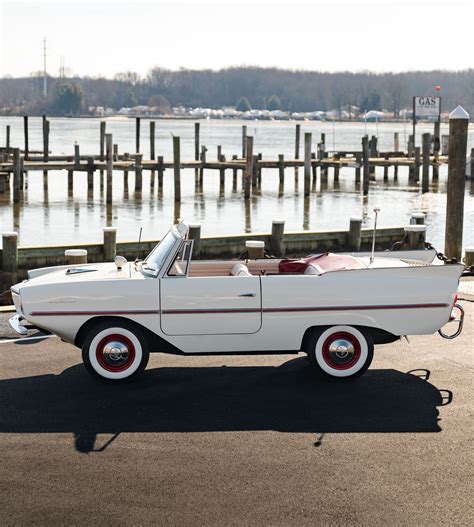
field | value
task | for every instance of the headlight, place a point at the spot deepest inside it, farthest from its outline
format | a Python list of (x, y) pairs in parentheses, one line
[(17, 301)]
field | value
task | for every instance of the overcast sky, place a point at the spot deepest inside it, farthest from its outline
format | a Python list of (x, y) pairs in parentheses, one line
[(103, 37)]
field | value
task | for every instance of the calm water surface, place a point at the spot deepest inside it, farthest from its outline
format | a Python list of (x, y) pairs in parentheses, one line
[(59, 219)]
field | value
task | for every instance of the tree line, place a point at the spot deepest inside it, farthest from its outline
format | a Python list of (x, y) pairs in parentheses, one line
[(260, 88)]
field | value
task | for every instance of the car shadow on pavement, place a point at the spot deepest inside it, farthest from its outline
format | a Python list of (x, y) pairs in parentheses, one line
[(286, 398)]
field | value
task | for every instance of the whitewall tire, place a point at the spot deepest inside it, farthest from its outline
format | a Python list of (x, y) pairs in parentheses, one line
[(340, 352), (115, 352)]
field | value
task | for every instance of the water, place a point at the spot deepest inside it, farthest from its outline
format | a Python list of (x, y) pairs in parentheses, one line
[(59, 219)]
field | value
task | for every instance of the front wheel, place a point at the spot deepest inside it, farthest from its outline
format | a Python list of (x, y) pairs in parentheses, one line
[(115, 353), (340, 352)]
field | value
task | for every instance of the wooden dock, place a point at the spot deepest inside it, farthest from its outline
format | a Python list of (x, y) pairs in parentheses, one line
[(15, 163)]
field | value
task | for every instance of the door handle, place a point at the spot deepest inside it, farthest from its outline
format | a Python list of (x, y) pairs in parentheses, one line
[(247, 295)]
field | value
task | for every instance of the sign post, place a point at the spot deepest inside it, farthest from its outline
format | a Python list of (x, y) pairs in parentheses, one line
[(429, 106)]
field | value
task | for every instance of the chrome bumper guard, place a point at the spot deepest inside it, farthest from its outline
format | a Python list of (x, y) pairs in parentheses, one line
[(15, 323), (453, 318)]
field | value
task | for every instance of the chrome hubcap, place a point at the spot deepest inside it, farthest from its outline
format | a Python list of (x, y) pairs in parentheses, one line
[(115, 353), (341, 350)]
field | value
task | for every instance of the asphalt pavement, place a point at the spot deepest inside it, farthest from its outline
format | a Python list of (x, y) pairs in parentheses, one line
[(247, 440)]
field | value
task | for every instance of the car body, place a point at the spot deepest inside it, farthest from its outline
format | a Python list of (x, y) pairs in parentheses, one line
[(335, 307)]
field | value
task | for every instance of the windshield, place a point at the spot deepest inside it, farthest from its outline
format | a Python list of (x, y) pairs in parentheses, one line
[(157, 257)]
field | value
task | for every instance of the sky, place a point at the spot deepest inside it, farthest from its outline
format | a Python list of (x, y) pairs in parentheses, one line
[(104, 37)]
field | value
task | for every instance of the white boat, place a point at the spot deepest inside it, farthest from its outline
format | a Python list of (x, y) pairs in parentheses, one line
[(334, 307)]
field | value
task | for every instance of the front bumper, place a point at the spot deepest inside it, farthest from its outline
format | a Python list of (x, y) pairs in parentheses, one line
[(15, 323)]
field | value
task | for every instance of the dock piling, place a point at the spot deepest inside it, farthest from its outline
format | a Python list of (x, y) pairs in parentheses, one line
[(177, 168), (137, 134), (277, 245), (110, 243), (194, 233), (365, 160), (458, 127), (248, 166), (355, 234), (307, 164), (10, 252), (138, 173), (110, 161), (425, 175)]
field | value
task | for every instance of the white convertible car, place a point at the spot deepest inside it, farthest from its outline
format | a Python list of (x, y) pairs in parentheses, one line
[(334, 307)]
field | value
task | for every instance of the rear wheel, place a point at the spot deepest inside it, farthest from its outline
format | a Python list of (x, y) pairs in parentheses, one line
[(115, 353), (340, 352)]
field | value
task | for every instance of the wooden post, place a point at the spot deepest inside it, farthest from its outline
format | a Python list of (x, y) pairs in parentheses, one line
[(417, 218), (437, 138), (358, 159), (385, 169), (425, 177), (25, 132), (395, 172), (244, 141), (281, 168), (194, 233), (77, 157), (16, 175), (7, 144), (102, 148), (10, 252), (365, 160), (75, 256), (203, 163), (416, 170), (138, 173), (297, 144), (221, 170), (396, 142), (110, 243), (314, 168), (277, 245), (254, 170), (336, 173), (234, 175), (45, 149), (469, 256), (126, 157), (196, 147), (152, 140), (307, 164), (110, 164), (161, 170), (354, 235), (248, 166), (458, 125), (137, 135), (177, 167), (90, 174), (416, 235)]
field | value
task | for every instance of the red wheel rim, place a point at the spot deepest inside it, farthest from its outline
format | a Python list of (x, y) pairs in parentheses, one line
[(115, 353), (341, 350)]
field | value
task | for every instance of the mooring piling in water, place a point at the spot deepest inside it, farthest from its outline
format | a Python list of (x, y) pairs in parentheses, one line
[(307, 163), (177, 168), (458, 128), (137, 134), (110, 161), (197, 127), (365, 161), (425, 174), (248, 166)]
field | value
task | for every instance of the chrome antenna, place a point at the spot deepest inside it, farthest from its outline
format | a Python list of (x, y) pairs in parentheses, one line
[(373, 236)]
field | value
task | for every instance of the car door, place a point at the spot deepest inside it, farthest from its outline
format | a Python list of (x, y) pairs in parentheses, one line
[(210, 305)]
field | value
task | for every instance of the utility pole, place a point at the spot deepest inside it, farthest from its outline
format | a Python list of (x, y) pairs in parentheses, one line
[(45, 87)]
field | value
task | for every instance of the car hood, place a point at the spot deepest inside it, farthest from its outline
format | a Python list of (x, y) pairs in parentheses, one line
[(74, 273)]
